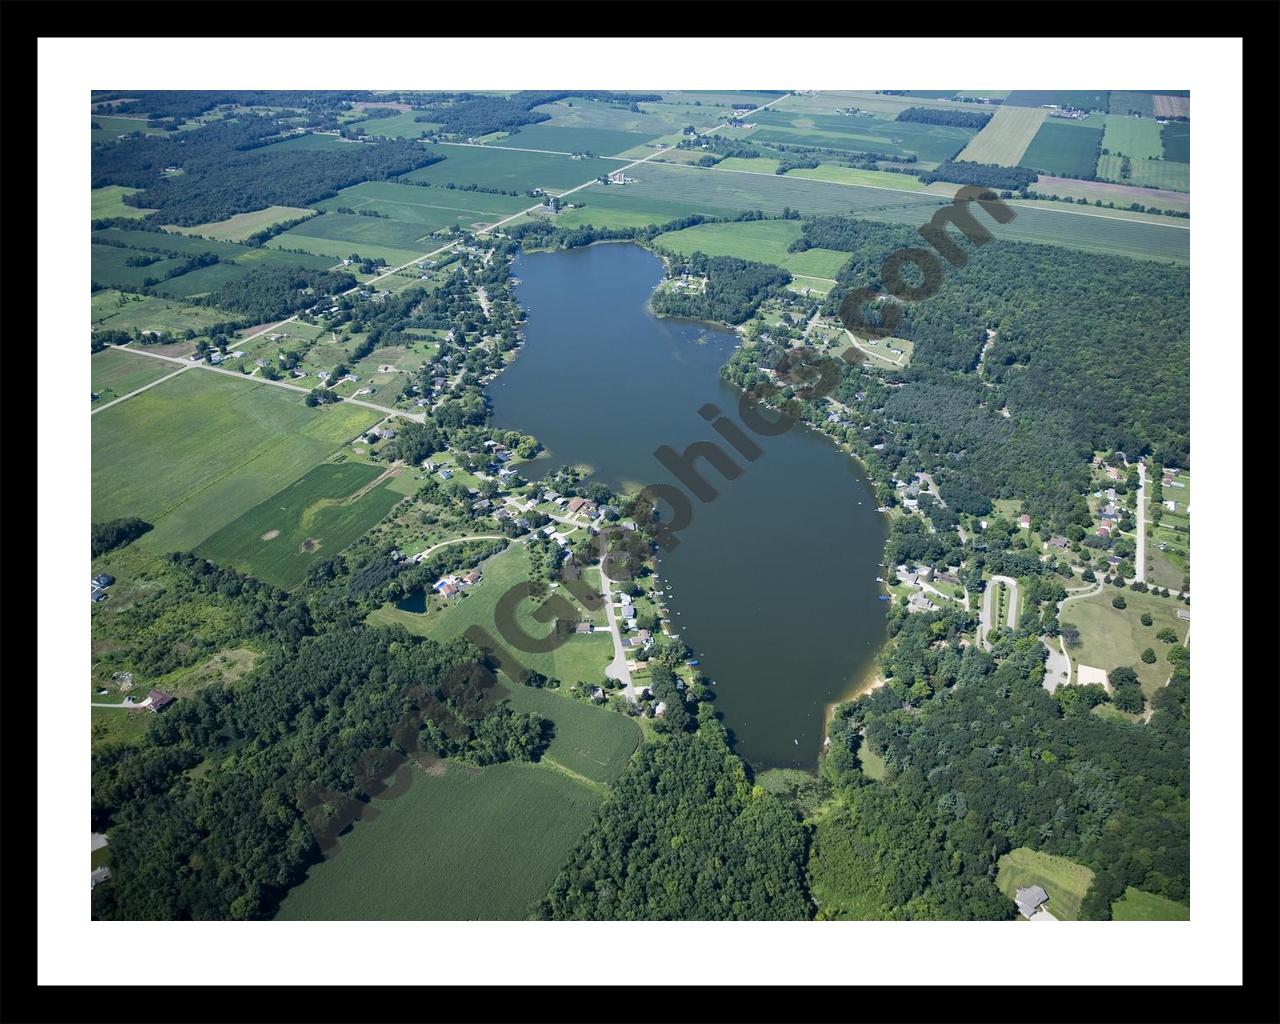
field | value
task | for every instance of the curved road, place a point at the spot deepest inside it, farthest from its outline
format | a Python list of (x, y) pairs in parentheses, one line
[(988, 596)]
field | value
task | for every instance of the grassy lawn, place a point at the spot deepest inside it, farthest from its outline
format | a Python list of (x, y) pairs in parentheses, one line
[(109, 202), (578, 659), (1136, 905), (1113, 637), (115, 373), (196, 452), (108, 727), (1066, 882), (471, 844)]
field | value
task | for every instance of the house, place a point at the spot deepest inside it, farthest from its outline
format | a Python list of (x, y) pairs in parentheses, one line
[(947, 577), (159, 700), (644, 636), (1029, 899), (1024, 521), (445, 475), (550, 495), (1104, 530), (396, 555), (924, 571), (584, 627), (98, 595), (576, 504), (549, 529), (660, 710), (920, 603), (98, 875), (522, 523), (597, 693), (450, 590), (911, 503), (103, 580), (1059, 542), (1113, 473), (1171, 505)]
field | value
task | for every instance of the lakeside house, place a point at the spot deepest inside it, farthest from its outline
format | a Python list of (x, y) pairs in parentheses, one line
[(1029, 899)]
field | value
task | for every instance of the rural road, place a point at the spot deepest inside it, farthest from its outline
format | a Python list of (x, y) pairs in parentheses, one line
[(460, 540), (988, 599), (616, 669), (138, 391), (1140, 566)]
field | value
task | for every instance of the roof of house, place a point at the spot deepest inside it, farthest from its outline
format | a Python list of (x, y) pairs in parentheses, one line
[(159, 699), (1028, 898)]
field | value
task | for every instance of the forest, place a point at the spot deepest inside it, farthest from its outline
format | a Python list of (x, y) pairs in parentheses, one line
[(967, 172), (228, 167), (735, 288), (272, 293), (974, 119), (980, 760), (287, 757)]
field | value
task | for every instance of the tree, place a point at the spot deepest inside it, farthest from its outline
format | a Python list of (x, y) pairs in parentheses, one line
[(1149, 656), (1167, 636), (1118, 601), (1146, 619)]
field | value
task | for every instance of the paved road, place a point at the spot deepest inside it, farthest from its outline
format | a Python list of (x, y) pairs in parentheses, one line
[(617, 669), (461, 540), (138, 391), (1141, 563), (988, 599)]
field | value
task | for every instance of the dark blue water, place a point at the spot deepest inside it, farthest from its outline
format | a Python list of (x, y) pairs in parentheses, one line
[(772, 585), (416, 602)]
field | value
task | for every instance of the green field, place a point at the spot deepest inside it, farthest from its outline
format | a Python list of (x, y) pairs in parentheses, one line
[(1063, 148), (111, 128), (108, 727), (242, 225), (312, 141), (1082, 99), (1134, 137), (115, 373), (1136, 905), (317, 516), (109, 202), (860, 134), (764, 241), (121, 311), (1114, 638), (601, 141), (334, 249), (849, 176), (425, 205), (471, 844), (510, 169), (1005, 137), (1175, 138), (1107, 192), (196, 452), (591, 741), (578, 659), (1167, 174), (1066, 882), (400, 126)]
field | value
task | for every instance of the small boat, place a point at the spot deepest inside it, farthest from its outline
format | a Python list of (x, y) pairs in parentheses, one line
[(879, 579), (884, 597), (796, 742)]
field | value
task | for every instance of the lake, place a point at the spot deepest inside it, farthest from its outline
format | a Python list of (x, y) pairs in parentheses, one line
[(773, 583)]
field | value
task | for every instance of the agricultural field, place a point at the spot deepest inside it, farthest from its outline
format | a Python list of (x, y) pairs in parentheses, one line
[(1066, 882), (1107, 192), (591, 741), (427, 208), (1115, 638), (317, 516), (1005, 137), (126, 312), (240, 226), (764, 241), (1175, 138), (1134, 137), (1161, 174), (466, 844), (196, 452), (853, 176), (115, 372), (402, 126), (1081, 99), (1168, 105), (881, 104), (109, 267), (1136, 905), (600, 141), (108, 129), (860, 134), (510, 169), (1063, 148), (109, 202), (313, 141), (652, 120)]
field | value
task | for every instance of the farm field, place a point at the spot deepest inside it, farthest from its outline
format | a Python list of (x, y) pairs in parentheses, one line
[(1063, 148), (356, 230), (1005, 137), (1170, 105), (426, 205), (194, 453), (115, 373), (1114, 638), (652, 120), (762, 241), (850, 176), (860, 134), (557, 138), (124, 311), (1136, 905), (401, 126), (109, 202), (1134, 137), (1066, 882), (509, 169), (335, 249), (1175, 138), (111, 128), (592, 741), (1162, 174), (1108, 192), (109, 267), (882, 104), (314, 141), (1082, 99), (317, 516), (240, 226), (470, 844)]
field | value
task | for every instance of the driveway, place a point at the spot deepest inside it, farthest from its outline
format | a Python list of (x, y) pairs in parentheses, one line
[(988, 601)]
